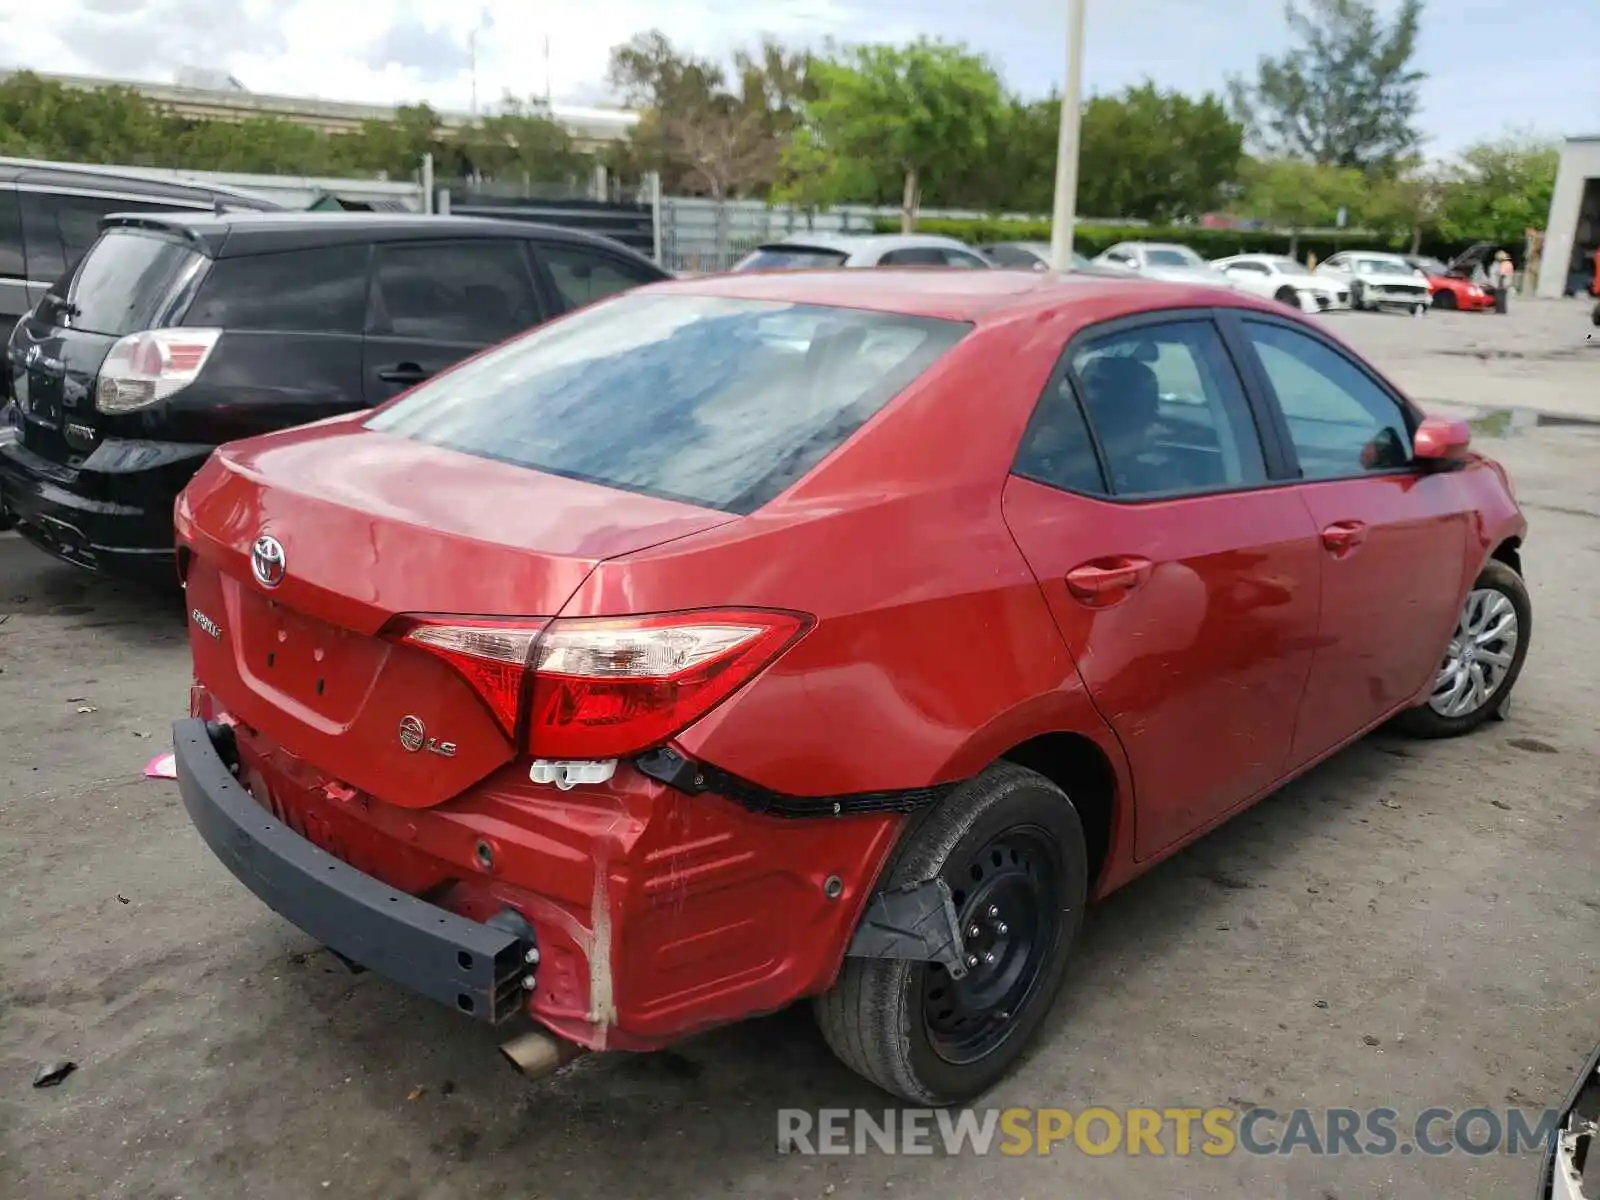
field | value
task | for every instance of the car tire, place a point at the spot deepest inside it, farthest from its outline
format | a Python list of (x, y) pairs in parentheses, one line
[(1432, 719), (1010, 845), (1445, 301), (1287, 295), (1357, 300), (1595, 316)]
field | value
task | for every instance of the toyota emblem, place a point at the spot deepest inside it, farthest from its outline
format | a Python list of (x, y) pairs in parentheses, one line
[(412, 734), (267, 561)]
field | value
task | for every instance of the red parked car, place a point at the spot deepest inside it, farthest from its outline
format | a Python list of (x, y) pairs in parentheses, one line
[(1451, 283), (818, 634)]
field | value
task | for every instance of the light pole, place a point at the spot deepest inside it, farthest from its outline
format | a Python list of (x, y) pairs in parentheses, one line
[(1067, 149)]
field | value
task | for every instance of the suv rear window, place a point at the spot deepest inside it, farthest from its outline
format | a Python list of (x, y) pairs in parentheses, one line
[(717, 402), (791, 258), (125, 282)]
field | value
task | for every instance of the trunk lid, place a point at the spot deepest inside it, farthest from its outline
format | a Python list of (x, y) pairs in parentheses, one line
[(373, 526)]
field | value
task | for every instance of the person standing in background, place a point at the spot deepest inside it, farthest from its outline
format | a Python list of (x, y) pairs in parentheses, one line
[(1501, 277)]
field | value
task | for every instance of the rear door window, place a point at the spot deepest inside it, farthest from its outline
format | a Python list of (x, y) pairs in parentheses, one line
[(126, 282), (297, 291), (914, 256), (961, 260), (475, 292), (582, 276), (718, 402)]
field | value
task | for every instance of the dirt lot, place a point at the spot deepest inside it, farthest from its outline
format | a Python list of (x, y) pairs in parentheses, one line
[(1410, 925)]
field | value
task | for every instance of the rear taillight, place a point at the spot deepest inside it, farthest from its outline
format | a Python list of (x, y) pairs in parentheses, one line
[(606, 687), (492, 656), (144, 368)]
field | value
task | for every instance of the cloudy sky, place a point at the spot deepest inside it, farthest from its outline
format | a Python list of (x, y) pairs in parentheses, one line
[(1493, 65)]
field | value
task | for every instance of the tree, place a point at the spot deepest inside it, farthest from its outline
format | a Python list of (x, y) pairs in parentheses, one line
[(927, 108), (1346, 96), (1411, 203), (1296, 195), (1500, 190), (701, 133), (1156, 155)]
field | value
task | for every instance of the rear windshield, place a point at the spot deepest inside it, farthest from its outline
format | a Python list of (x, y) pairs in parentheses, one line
[(717, 402), (125, 281), (791, 258)]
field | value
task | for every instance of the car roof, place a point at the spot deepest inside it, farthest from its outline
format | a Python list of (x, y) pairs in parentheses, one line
[(981, 297), (1381, 254), (863, 243), (29, 173), (234, 234)]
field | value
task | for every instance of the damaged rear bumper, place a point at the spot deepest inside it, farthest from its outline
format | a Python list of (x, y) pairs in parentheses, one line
[(475, 968)]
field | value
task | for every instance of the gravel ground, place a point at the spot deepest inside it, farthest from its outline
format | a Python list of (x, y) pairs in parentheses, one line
[(1409, 925)]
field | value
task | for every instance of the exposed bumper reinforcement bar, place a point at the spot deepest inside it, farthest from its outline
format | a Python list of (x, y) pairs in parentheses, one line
[(474, 968)]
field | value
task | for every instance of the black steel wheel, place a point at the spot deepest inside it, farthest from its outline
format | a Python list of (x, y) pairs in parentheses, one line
[(1008, 900), (1009, 844)]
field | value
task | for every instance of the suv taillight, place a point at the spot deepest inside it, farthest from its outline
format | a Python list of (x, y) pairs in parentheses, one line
[(144, 368), (606, 687)]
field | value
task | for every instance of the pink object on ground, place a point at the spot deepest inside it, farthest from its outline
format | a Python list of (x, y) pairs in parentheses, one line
[(161, 766)]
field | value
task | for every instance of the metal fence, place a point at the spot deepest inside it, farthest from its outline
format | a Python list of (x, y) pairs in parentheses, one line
[(711, 235)]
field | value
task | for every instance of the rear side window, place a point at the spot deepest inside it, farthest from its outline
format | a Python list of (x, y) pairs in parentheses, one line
[(12, 264), (475, 292), (583, 276), (914, 256), (126, 281), (1014, 256), (718, 402), (791, 258), (297, 291)]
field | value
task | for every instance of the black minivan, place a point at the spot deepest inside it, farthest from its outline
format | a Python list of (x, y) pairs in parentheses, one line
[(180, 331)]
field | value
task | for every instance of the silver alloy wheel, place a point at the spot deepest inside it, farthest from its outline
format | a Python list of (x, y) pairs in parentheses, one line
[(1479, 655)]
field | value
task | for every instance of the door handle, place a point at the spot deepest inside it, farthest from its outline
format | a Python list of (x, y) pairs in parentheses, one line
[(1344, 536), (1107, 580), (403, 373)]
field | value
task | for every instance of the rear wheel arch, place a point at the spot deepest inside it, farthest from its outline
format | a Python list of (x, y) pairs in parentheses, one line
[(1510, 553), (1078, 766)]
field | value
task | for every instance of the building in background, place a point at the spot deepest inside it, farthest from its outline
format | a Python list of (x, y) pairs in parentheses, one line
[(1572, 233), (219, 97)]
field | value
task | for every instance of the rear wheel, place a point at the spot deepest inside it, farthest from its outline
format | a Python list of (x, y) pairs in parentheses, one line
[(1444, 301), (1483, 659), (1010, 846)]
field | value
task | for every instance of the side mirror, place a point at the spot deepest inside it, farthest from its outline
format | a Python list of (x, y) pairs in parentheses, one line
[(1441, 441)]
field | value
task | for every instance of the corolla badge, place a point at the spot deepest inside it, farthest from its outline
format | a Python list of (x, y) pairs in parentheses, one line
[(414, 737), (267, 562)]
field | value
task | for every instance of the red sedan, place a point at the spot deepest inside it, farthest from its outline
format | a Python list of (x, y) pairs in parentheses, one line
[(834, 635)]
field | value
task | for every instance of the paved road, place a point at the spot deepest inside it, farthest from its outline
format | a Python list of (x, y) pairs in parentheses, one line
[(1411, 924)]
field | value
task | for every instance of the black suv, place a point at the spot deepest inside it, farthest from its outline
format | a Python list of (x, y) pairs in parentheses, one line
[(50, 215), (178, 332)]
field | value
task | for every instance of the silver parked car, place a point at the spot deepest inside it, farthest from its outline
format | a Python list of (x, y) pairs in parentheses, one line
[(1166, 261), (815, 251)]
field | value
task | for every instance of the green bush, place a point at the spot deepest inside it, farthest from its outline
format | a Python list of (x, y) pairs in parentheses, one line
[(1090, 240)]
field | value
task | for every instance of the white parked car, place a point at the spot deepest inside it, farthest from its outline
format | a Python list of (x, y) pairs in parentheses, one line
[(814, 251), (1379, 281), (1279, 277), (1166, 261)]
